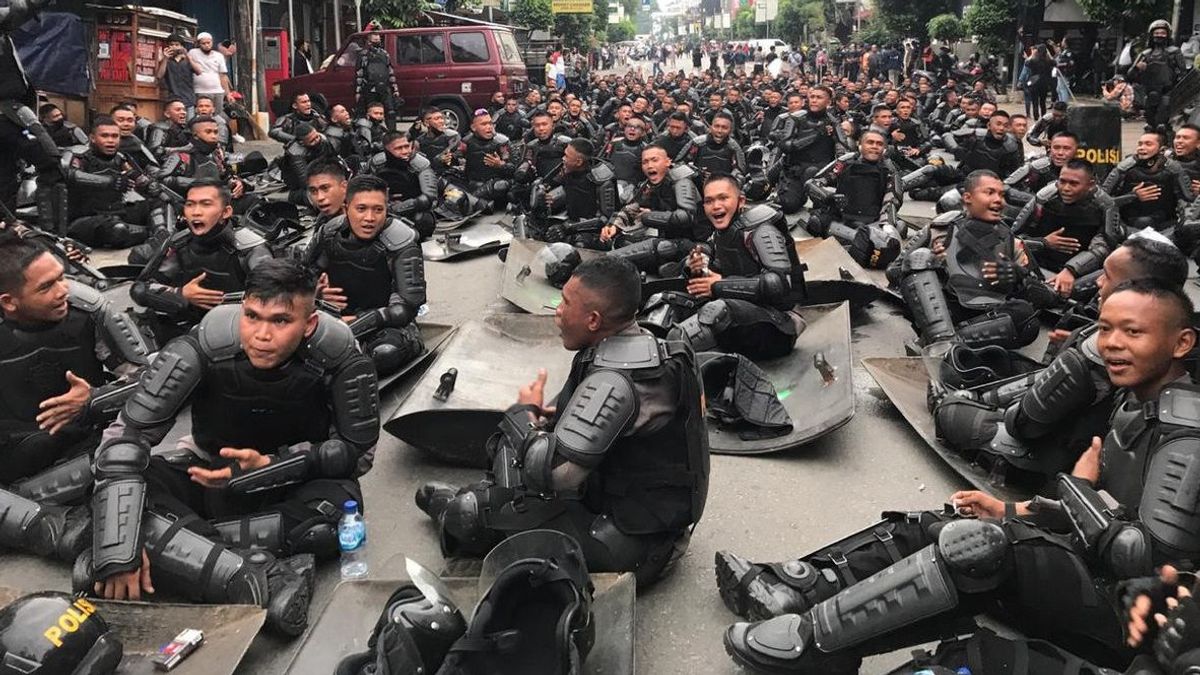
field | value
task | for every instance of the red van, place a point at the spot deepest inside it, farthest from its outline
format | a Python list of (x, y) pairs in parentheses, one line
[(456, 68)]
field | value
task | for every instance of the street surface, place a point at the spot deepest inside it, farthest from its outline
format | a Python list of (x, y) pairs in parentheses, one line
[(767, 507)]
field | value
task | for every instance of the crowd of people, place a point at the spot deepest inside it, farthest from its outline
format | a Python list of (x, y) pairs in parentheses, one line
[(274, 348)]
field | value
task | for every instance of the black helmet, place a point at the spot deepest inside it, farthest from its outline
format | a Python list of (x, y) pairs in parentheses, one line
[(560, 260), (51, 633), (535, 614), (418, 625)]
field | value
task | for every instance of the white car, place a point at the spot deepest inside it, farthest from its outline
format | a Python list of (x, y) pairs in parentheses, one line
[(781, 48)]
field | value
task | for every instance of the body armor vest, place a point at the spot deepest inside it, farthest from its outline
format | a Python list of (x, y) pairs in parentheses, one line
[(972, 243)]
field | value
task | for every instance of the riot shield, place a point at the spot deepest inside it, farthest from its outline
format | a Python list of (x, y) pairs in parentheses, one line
[(525, 284), (905, 381), (478, 237), (814, 383), (457, 402), (1099, 132), (833, 276)]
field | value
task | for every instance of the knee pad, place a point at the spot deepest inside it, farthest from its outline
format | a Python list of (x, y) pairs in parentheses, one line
[(976, 552), (951, 201), (965, 424), (123, 235), (700, 330), (319, 538), (387, 358), (335, 459), (425, 223), (462, 530), (668, 250), (818, 224)]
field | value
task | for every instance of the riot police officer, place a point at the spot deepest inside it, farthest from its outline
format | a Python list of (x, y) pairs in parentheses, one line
[(308, 147), (676, 135), (195, 269), (808, 140), (1046, 563), (625, 155), (254, 480), (373, 273), (302, 112), (98, 178), (64, 133), (327, 190), (541, 154), (582, 191), (172, 132), (992, 289), (436, 142), (486, 161), (510, 120), (1039, 172), (372, 128), (66, 355), (987, 149), (411, 182), (747, 282), (1051, 124), (1064, 217), (1158, 69), (631, 487), (667, 201), (374, 79), (715, 153), (1148, 187)]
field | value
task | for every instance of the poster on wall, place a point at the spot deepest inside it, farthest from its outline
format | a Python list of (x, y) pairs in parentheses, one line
[(147, 58), (116, 54)]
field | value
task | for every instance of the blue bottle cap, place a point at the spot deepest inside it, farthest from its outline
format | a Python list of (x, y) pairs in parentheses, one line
[(963, 671), (350, 506)]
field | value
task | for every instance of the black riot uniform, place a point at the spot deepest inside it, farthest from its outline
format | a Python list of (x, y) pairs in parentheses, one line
[(708, 157), (581, 203), (975, 149), (1046, 126), (97, 212), (626, 160), (807, 143), (315, 415), (950, 298), (224, 255), (166, 137), (749, 312), (196, 160), (44, 474), (412, 188), (1021, 185), (1082, 220), (1165, 65), (434, 146), (375, 81), (673, 206), (383, 280), (916, 135), (350, 146), (674, 145), (576, 127), (855, 200), (1053, 573), (66, 134), (1161, 214), (284, 129), (490, 184), (511, 124), (135, 149), (370, 135), (21, 132), (539, 158), (629, 418), (295, 162)]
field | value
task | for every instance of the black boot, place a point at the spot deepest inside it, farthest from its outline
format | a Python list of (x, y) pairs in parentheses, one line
[(433, 497), (43, 529), (760, 592)]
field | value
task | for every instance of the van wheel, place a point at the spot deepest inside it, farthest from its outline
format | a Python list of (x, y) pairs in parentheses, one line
[(455, 115)]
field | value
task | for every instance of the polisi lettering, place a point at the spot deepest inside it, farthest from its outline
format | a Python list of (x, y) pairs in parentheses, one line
[(69, 621)]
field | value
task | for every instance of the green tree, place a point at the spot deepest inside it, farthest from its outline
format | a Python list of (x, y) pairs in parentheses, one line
[(874, 32), (535, 14), (1134, 16), (743, 24), (795, 15), (908, 18), (574, 29), (994, 25), (396, 13), (621, 31), (945, 27)]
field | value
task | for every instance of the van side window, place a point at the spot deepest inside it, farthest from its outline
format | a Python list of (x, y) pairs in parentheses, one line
[(469, 48), (349, 58), (412, 50)]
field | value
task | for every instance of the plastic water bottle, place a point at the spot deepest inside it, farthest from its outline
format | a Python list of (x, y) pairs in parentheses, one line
[(352, 537)]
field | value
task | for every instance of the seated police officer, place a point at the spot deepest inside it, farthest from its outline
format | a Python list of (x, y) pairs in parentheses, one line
[(327, 190), (371, 129), (1039, 172), (619, 459), (1049, 565), (577, 199), (307, 147), (412, 184), (666, 201), (97, 180), (284, 421), (745, 279), (371, 270), (198, 265), (485, 160), (65, 359), (1148, 187), (991, 289), (172, 133), (302, 112)]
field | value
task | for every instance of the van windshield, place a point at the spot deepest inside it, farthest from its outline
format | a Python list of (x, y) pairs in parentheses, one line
[(508, 47)]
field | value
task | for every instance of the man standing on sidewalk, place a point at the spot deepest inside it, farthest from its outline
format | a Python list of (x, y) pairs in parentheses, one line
[(212, 75)]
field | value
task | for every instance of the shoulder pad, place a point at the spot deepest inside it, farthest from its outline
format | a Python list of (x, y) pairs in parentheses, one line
[(501, 139), (397, 235), (245, 239), (1173, 166), (1089, 345), (296, 149), (1172, 49), (218, 332), (563, 138), (627, 352), (1127, 163), (1047, 193), (362, 122), (1040, 163), (82, 296), (946, 218), (1011, 143), (419, 162), (681, 172), (179, 238), (1179, 404), (601, 172), (166, 384), (330, 344), (701, 139), (848, 157), (758, 215)]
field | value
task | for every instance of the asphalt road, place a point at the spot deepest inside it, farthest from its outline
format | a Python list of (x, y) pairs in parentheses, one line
[(767, 507)]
